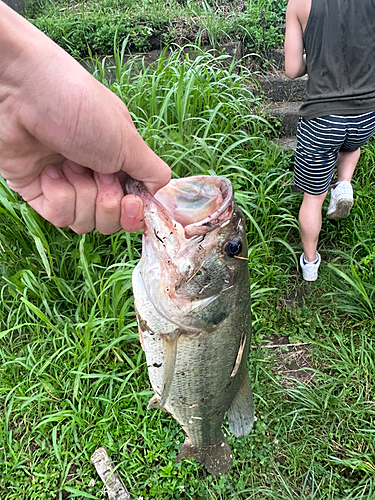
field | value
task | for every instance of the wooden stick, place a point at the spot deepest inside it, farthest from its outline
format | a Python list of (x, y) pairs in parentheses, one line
[(274, 346), (114, 485)]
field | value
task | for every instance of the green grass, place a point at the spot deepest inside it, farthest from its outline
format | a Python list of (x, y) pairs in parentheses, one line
[(89, 27), (73, 375)]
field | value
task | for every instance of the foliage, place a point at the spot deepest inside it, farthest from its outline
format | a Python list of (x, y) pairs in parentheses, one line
[(84, 28), (263, 24)]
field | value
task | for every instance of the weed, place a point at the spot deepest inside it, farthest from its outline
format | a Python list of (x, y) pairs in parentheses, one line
[(90, 27)]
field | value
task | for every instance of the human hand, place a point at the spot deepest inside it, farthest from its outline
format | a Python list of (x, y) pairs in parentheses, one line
[(67, 143)]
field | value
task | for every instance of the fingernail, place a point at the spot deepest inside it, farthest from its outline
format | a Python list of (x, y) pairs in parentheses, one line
[(78, 169), (53, 172), (133, 208), (106, 178)]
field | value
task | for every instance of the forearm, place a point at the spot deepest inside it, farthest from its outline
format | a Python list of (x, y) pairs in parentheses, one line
[(56, 100), (20, 46), (296, 67), (31, 66), (295, 59)]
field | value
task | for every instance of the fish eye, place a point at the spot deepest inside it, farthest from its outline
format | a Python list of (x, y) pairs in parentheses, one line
[(233, 247)]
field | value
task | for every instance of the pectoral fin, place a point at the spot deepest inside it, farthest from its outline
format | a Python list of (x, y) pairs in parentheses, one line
[(170, 344), (142, 342), (154, 402), (241, 416)]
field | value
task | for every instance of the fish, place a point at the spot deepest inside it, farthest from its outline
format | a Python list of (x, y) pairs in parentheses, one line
[(192, 300)]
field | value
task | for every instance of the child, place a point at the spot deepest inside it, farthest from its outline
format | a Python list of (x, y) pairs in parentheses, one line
[(333, 41)]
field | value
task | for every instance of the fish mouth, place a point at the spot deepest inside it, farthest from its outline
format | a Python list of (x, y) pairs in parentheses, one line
[(186, 207), (198, 203)]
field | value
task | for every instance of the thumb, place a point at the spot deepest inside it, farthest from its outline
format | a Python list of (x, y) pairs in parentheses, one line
[(143, 164)]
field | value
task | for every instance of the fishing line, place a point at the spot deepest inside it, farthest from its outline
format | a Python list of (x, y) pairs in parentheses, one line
[(231, 487)]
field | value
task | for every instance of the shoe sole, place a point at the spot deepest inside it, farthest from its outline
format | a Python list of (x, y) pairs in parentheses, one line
[(343, 208)]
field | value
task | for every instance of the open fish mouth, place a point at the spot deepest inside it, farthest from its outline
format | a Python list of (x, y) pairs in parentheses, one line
[(195, 204), (198, 203)]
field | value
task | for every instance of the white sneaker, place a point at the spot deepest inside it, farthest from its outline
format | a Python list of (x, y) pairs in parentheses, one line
[(310, 269), (341, 201)]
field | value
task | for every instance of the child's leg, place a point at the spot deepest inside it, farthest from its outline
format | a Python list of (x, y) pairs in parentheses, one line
[(342, 193), (310, 222), (346, 163), (310, 214)]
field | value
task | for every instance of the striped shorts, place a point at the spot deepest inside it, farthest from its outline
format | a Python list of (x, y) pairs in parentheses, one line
[(318, 144)]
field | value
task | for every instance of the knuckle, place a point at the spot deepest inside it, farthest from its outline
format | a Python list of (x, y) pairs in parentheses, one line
[(109, 229), (87, 191), (59, 219), (108, 204), (82, 230), (60, 210)]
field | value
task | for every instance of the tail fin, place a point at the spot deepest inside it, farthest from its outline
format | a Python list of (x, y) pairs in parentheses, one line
[(217, 457), (241, 416)]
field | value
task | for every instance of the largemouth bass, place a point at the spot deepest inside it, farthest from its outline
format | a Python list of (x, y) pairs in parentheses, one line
[(192, 299)]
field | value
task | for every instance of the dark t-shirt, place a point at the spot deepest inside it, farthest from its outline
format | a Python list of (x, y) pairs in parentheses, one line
[(339, 41)]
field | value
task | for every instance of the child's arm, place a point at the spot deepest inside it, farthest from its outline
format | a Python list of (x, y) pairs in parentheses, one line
[(295, 59)]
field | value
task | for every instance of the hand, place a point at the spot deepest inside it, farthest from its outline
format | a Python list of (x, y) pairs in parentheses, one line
[(66, 141)]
